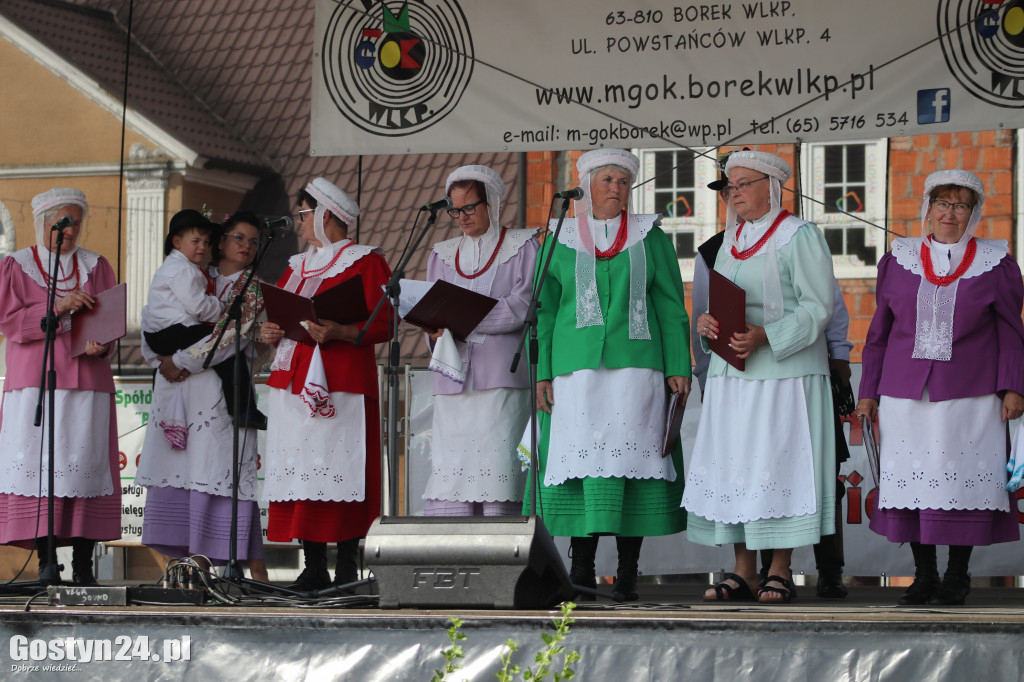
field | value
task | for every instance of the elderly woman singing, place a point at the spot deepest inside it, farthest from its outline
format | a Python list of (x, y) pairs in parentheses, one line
[(763, 468), (323, 439), (480, 408), (87, 485), (943, 370), (613, 343)]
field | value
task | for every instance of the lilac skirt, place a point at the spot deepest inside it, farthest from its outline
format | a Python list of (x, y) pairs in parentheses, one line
[(180, 522), (973, 527)]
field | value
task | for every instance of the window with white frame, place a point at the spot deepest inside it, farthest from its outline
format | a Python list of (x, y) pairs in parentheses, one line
[(844, 193), (673, 182)]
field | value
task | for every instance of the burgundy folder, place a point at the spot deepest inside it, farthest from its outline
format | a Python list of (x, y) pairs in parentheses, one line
[(449, 306), (343, 303), (104, 323), (727, 303), (673, 422)]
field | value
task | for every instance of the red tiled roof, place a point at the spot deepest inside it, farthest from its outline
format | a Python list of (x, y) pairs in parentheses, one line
[(249, 62)]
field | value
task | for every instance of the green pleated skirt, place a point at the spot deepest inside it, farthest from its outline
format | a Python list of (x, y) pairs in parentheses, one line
[(608, 506)]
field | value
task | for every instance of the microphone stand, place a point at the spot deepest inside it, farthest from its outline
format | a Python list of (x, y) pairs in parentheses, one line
[(233, 572), (49, 571), (393, 290), (533, 351)]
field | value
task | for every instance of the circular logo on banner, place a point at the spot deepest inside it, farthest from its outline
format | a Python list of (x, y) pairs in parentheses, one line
[(396, 68), (983, 43)]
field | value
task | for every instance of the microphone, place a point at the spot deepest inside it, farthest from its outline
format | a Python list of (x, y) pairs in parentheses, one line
[(574, 193), (284, 221), (439, 205), (65, 221)]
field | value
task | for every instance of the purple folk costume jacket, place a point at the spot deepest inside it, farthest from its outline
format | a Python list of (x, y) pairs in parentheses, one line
[(988, 337)]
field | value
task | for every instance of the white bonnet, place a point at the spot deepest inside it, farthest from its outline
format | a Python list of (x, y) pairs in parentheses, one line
[(337, 201)]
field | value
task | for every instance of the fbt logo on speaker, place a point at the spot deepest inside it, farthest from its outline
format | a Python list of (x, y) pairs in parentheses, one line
[(69, 654), (443, 578)]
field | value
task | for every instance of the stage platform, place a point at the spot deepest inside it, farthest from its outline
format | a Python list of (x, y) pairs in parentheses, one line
[(670, 634)]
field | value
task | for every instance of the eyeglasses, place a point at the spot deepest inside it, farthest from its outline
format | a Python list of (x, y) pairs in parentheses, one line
[(298, 214), (742, 186), (958, 208), (240, 239), (468, 209)]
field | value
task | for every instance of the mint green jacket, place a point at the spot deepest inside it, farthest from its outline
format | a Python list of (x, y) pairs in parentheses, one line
[(565, 349)]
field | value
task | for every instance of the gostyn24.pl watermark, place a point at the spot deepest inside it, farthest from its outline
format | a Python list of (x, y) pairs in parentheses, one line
[(66, 653)]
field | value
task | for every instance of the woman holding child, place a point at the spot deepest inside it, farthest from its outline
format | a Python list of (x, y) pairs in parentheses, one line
[(187, 454)]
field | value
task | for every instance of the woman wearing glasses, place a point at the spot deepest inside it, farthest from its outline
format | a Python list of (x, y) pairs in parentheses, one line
[(323, 438), (763, 469), (943, 371), (188, 478), (613, 345), (480, 407)]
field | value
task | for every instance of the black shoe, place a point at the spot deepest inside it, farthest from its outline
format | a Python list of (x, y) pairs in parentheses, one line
[(624, 589), (831, 587), (919, 592), (953, 591), (81, 562), (628, 549), (346, 569), (582, 573), (84, 577), (310, 580), (583, 579)]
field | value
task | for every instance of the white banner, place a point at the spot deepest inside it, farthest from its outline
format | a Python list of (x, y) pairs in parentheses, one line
[(867, 554), (431, 76)]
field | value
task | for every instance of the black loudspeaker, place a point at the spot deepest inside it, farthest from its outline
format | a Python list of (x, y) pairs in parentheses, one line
[(500, 562)]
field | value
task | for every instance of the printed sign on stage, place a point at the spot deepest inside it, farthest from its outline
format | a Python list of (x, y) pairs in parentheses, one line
[(398, 77)]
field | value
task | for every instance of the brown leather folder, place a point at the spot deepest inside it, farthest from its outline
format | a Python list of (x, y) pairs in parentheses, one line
[(104, 323), (673, 422), (343, 303), (727, 303), (449, 306)]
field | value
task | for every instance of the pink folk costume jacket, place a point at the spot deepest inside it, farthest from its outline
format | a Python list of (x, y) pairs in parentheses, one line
[(22, 306)]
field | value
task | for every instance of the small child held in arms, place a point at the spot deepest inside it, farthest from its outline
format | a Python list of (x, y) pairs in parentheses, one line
[(183, 305)]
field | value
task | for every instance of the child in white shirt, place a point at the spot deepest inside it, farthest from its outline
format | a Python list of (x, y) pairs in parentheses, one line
[(183, 305)]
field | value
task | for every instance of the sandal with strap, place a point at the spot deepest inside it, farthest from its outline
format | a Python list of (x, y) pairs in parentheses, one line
[(786, 589), (726, 592)]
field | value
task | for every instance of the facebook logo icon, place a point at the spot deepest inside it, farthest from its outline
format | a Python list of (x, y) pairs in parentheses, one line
[(933, 106)]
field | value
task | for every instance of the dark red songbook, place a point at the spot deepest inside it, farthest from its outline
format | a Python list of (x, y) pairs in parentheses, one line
[(727, 303), (104, 323), (344, 303), (449, 306)]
